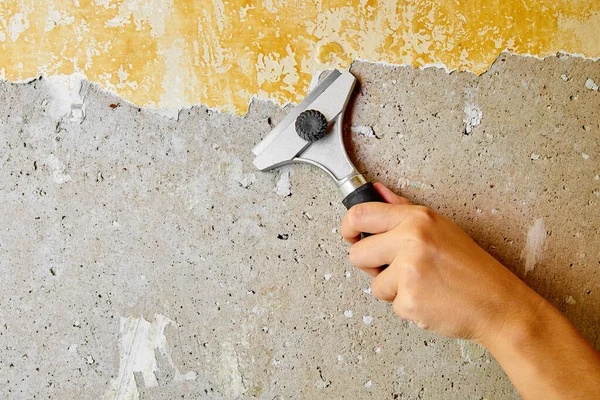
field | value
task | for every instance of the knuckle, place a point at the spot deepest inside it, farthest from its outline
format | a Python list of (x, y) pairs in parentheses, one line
[(422, 236), (353, 254), (423, 324), (356, 214), (425, 215), (413, 276), (409, 303), (397, 308), (376, 288)]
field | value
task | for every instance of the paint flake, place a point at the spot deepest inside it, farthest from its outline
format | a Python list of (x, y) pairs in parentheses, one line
[(284, 186), (473, 114), (570, 300), (66, 97), (348, 314), (57, 169), (407, 183), (471, 351), (367, 320), (590, 84), (363, 130), (139, 341), (532, 253)]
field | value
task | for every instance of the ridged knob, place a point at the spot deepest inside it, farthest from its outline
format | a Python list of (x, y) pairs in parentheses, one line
[(311, 125)]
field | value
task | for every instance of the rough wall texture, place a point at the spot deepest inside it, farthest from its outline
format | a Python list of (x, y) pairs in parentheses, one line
[(144, 257), (165, 53)]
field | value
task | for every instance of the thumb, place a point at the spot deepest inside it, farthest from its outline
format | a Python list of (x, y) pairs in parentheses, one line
[(389, 196)]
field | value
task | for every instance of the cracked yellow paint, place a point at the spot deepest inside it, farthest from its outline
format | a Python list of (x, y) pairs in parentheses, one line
[(166, 53)]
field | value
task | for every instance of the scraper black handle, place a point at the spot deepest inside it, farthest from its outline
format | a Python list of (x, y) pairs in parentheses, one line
[(363, 194)]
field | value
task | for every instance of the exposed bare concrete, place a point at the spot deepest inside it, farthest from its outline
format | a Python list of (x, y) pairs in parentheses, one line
[(121, 218)]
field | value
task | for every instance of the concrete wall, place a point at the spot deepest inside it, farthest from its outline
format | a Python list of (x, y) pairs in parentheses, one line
[(143, 257)]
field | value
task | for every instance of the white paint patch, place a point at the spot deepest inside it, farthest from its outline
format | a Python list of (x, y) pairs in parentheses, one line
[(229, 373), (66, 97), (166, 112), (258, 310), (570, 300), (17, 25), (407, 183), (532, 253), (363, 130), (327, 277), (585, 156), (367, 290), (284, 186), (176, 76), (564, 77), (367, 320), (348, 314), (139, 340), (57, 169), (368, 384), (471, 351), (473, 114), (347, 274), (234, 168), (590, 84), (153, 12), (535, 156), (56, 18), (247, 180)]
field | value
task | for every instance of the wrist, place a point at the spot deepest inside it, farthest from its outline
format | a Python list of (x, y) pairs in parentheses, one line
[(521, 323), (521, 319)]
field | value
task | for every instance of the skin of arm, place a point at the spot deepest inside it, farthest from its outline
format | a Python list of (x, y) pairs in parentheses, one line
[(440, 279)]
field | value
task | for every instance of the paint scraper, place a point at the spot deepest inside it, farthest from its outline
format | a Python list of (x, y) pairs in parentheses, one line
[(312, 133)]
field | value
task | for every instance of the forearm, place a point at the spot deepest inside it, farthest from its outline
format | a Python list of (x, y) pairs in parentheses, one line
[(544, 355)]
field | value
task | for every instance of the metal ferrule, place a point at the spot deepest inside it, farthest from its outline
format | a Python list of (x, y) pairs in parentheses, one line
[(351, 184)]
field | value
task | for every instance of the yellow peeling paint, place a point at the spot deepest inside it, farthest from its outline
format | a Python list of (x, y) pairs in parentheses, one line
[(167, 53)]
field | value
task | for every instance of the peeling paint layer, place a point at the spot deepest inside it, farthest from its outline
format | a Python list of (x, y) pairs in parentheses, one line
[(532, 253), (167, 54), (140, 339)]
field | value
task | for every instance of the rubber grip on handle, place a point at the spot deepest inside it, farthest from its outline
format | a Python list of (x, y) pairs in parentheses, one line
[(363, 194)]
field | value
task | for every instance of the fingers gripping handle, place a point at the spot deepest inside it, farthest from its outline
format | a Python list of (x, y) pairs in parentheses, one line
[(363, 194)]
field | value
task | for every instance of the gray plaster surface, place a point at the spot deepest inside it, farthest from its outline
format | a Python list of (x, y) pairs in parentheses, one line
[(145, 257)]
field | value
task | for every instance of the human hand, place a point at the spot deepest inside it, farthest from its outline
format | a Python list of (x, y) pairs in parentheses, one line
[(437, 277)]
